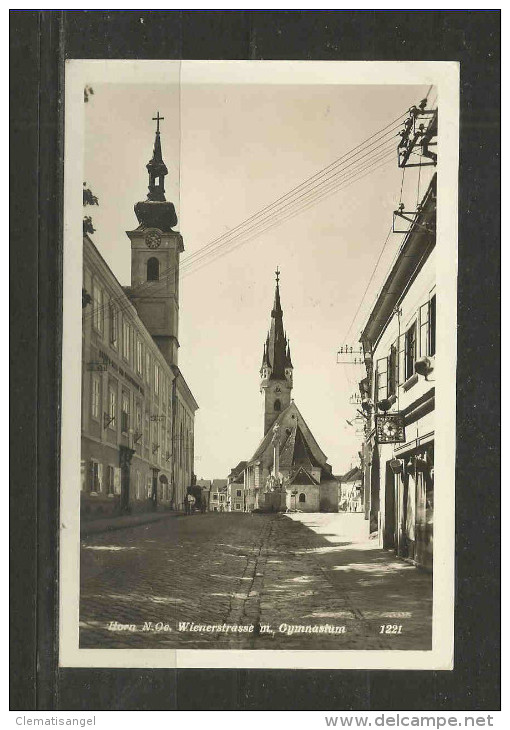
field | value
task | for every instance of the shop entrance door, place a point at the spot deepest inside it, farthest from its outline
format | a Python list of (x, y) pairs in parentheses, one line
[(389, 509)]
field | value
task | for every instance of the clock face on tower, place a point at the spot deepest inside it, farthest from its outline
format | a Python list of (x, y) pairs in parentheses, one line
[(153, 239)]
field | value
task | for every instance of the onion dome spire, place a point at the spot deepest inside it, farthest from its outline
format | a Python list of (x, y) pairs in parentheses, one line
[(156, 212), (156, 168)]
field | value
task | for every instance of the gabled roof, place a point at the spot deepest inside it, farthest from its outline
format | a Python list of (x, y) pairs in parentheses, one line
[(236, 470), (317, 455), (296, 452), (353, 475), (204, 483), (302, 476), (219, 484)]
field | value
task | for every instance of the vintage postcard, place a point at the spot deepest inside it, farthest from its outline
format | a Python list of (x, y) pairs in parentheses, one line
[(258, 412)]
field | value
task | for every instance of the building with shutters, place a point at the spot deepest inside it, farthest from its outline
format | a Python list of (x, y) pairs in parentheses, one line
[(137, 446), (218, 496), (236, 497), (351, 491), (399, 344)]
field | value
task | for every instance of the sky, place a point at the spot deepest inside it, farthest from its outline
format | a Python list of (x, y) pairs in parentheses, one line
[(231, 149)]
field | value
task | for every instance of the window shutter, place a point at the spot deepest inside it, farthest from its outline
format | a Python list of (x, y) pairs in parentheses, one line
[(401, 359), (424, 330), (100, 477), (116, 480), (432, 325), (382, 379)]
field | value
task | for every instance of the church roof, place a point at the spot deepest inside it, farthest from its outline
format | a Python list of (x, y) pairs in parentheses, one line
[(302, 477), (307, 445), (295, 451)]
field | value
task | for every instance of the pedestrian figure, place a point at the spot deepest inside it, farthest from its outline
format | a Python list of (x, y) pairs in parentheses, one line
[(190, 501)]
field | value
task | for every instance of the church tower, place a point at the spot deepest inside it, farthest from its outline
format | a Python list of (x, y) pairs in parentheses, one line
[(155, 251), (276, 370)]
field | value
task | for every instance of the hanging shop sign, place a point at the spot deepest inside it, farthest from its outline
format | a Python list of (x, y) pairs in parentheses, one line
[(389, 428)]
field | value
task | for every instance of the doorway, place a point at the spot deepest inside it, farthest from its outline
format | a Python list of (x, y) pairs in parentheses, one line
[(389, 540)]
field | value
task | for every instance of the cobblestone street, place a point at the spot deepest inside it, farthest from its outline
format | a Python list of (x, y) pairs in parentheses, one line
[(145, 586)]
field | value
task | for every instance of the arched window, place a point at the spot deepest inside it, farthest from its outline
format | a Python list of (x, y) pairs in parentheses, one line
[(277, 405), (153, 269), (302, 497)]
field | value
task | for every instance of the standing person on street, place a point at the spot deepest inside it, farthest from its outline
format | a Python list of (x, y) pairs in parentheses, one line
[(190, 501)]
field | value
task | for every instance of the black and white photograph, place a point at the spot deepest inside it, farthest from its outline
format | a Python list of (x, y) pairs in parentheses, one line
[(258, 403)]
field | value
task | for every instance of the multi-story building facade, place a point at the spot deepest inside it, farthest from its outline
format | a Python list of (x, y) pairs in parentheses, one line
[(236, 498), (351, 491), (137, 409), (399, 343), (218, 496)]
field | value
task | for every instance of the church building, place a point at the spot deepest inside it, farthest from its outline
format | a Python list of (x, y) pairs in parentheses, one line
[(288, 470), (138, 412)]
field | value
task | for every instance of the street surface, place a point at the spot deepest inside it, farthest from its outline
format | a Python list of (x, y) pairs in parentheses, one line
[(250, 581)]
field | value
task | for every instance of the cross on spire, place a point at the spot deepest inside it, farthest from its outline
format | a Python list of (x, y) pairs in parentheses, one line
[(157, 119), (277, 272)]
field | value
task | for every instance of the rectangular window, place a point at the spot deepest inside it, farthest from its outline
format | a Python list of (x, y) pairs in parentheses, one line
[(110, 479), (410, 350), (146, 431), (428, 328), (156, 378), (125, 340), (98, 308), (238, 506), (392, 370), (114, 325), (222, 498), (138, 485), (96, 477), (124, 418), (139, 357), (138, 423), (381, 379), (112, 406), (147, 367), (96, 397), (238, 493)]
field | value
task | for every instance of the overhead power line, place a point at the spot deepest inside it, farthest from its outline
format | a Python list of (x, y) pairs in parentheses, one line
[(188, 268), (297, 194)]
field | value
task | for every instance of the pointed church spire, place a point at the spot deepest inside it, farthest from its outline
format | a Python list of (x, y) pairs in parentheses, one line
[(288, 361), (265, 362), (277, 307), (276, 346)]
